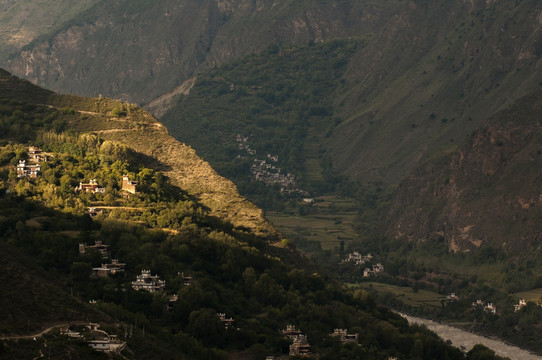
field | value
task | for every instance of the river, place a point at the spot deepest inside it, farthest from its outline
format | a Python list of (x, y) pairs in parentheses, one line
[(464, 339)]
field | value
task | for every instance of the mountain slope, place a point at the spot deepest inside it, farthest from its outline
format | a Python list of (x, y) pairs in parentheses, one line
[(434, 74), (430, 74), (487, 193), (209, 267), (141, 51)]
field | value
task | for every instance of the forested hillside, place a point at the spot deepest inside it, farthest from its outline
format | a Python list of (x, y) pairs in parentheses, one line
[(60, 236)]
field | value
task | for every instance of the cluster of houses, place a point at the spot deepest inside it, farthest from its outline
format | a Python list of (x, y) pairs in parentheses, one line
[(300, 345), (357, 258), (489, 307), (31, 168), (243, 145), (269, 174), (266, 172), (94, 337), (373, 271)]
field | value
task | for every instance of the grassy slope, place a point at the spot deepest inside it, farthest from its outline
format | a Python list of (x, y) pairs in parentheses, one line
[(177, 161)]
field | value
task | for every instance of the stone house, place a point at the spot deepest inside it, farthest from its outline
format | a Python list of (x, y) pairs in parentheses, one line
[(129, 185), (109, 269), (102, 248), (344, 336)]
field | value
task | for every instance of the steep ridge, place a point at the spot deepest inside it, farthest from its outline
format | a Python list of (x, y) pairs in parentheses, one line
[(487, 193), (144, 134)]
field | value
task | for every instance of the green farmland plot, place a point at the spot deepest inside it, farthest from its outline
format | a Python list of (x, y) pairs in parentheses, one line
[(415, 299), (329, 221)]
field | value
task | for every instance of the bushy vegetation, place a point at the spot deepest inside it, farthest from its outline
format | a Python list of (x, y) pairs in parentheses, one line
[(280, 99)]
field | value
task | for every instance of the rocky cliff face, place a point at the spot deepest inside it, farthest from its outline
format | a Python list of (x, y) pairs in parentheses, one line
[(487, 193)]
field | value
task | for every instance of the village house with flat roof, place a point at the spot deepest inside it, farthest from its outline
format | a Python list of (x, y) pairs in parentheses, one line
[(35, 154), (376, 269), (105, 270), (95, 338), (520, 305), (187, 279), (228, 322), (25, 170), (344, 336), (98, 245), (452, 297), (490, 308), (300, 346), (90, 187), (291, 332), (148, 282)]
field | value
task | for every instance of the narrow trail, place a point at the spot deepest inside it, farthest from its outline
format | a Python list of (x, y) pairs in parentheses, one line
[(119, 208), (143, 127), (31, 336)]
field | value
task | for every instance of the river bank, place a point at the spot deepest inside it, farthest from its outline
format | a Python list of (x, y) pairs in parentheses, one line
[(466, 340)]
